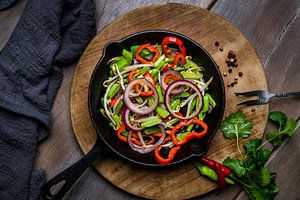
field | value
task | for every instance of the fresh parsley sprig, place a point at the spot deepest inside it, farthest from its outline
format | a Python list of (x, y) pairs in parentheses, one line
[(257, 180)]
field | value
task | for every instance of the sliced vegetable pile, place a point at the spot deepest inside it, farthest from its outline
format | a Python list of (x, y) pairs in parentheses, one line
[(156, 98)]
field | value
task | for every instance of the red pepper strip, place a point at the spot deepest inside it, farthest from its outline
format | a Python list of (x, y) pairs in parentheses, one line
[(130, 78), (150, 78), (179, 59), (137, 142), (165, 161), (221, 177), (212, 164), (170, 76), (191, 135), (119, 131), (151, 49), (149, 93), (113, 102), (156, 134), (172, 40)]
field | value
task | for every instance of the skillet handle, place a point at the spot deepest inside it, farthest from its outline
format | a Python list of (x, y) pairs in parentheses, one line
[(70, 175)]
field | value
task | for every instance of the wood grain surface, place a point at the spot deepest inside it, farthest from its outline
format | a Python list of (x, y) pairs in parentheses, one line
[(273, 29), (183, 181)]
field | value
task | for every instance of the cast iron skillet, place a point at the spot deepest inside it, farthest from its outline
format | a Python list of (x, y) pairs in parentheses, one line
[(106, 135)]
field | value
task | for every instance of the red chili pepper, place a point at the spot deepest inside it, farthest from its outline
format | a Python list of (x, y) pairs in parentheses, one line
[(221, 177), (113, 102), (171, 155), (119, 131), (151, 49), (139, 143), (172, 40), (191, 135), (179, 59), (212, 164)]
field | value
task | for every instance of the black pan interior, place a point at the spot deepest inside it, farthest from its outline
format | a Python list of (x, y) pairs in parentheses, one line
[(96, 91)]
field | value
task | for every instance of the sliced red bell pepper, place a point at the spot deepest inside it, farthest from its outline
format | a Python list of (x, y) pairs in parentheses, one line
[(171, 155), (179, 59), (172, 40), (149, 93), (151, 49), (130, 78), (191, 135), (113, 102), (119, 131)]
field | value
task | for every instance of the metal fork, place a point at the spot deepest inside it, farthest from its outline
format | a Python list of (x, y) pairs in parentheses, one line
[(264, 97)]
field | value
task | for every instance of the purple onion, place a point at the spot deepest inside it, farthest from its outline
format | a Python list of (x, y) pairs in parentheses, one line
[(167, 97), (133, 106), (164, 85), (125, 118), (149, 149)]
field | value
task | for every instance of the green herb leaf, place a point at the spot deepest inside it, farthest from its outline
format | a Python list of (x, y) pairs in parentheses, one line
[(274, 138), (252, 145), (264, 176), (235, 165), (289, 127), (236, 124), (278, 116)]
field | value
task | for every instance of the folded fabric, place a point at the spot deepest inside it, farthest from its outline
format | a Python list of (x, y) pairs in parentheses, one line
[(4, 4), (49, 35)]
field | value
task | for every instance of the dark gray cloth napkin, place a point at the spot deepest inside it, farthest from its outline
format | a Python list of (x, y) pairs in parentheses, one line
[(49, 35)]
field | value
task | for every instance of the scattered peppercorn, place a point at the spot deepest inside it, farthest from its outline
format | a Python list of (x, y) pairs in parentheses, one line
[(221, 49), (236, 78), (229, 70), (230, 52), (240, 74), (233, 56), (232, 84), (225, 74), (236, 65), (253, 109), (228, 85), (235, 60), (217, 44)]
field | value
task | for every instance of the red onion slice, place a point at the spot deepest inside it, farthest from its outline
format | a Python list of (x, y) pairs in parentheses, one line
[(148, 148), (126, 120), (168, 93), (133, 106), (164, 85)]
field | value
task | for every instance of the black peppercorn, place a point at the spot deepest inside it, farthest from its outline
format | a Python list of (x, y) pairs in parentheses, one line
[(240, 74), (232, 84), (217, 44), (229, 70), (221, 49)]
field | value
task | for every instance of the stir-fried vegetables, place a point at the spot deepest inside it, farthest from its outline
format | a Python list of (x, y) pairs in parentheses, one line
[(156, 98)]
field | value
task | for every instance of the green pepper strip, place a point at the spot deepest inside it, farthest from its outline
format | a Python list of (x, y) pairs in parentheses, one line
[(128, 55), (191, 75), (143, 53), (118, 120), (175, 103), (154, 74), (113, 90), (173, 121), (162, 112), (160, 95), (121, 64), (205, 104), (118, 107), (141, 72), (193, 65), (150, 101), (182, 95), (211, 100), (152, 130), (210, 173), (150, 123)]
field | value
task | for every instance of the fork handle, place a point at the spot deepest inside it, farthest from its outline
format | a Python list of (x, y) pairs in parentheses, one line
[(288, 94)]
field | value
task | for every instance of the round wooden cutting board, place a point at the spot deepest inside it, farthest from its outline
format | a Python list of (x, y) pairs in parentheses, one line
[(183, 181)]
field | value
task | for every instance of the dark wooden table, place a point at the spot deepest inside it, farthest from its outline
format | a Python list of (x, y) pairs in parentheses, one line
[(273, 28)]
